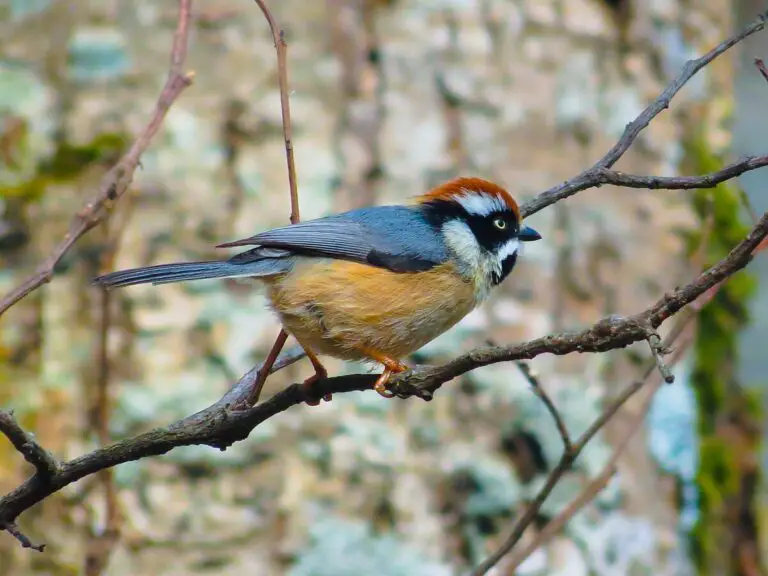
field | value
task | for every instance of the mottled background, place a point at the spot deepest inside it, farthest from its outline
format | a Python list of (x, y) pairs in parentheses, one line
[(388, 97)]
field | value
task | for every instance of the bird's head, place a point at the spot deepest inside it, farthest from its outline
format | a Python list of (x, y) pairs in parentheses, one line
[(481, 226)]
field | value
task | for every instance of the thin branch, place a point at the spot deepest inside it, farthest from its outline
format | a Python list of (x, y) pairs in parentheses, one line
[(563, 465), (43, 461), (282, 77), (101, 543), (25, 542), (115, 182), (761, 67), (600, 172), (533, 380), (281, 48), (219, 426), (567, 460), (591, 490), (658, 350), (710, 180)]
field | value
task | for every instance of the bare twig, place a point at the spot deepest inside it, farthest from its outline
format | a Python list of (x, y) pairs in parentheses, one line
[(567, 460), (25, 542), (114, 184), (591, 490), (761, 67), (533, 380), (601, 173), (658, 350), (282, 77), (43, 461)]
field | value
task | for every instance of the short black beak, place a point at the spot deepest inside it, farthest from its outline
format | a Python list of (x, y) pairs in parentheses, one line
[(528, 234)]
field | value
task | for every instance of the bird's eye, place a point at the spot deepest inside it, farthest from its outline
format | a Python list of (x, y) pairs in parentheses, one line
[(500, 223)]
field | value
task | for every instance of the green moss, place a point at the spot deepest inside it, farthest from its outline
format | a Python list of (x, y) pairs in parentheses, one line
[(720, 473), (65, 164)]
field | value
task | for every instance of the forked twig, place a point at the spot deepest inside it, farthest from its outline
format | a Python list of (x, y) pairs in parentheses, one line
[(601, 173), (567, 460), (45, 464), (597, 484), (115, 182)]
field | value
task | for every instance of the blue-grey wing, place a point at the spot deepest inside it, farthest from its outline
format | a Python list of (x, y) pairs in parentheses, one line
[(398, 238)]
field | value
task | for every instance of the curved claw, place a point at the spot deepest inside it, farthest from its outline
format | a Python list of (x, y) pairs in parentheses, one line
[(381, 384)]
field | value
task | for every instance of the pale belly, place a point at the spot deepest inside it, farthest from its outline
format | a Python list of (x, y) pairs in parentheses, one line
[(349, 310)]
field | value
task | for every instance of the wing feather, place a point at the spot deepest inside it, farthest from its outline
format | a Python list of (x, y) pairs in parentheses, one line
[(394, 237)]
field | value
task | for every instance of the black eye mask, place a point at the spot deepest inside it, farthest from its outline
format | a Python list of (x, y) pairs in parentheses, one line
[(488, 235)]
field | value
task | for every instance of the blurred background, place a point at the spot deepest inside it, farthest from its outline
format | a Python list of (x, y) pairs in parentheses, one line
[(389, 98)]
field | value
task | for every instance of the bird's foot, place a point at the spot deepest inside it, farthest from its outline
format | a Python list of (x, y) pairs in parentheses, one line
[(390, 367), (310, 395)]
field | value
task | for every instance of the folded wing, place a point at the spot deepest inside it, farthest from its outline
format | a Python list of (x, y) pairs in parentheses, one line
[(394, 237)]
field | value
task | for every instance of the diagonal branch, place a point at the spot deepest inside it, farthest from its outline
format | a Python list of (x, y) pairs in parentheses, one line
[(25, 542), (43, 461), (591, 490), (219, 426), (761, 67), (747, 164), (600, 172), (115, 182), (567, 460), (562, 429)]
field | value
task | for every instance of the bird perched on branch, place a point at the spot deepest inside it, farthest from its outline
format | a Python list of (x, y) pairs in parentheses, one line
[(375, 283)]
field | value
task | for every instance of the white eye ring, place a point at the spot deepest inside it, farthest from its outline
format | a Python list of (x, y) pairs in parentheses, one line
[(500, 223)]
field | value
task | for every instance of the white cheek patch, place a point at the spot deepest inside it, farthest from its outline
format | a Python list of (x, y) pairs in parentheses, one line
[(510, 247), (481, 203), (462, 241)]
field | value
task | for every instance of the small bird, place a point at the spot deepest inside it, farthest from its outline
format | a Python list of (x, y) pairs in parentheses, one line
[(374, 283)]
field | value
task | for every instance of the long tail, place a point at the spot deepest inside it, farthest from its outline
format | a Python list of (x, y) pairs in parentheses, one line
[(183, 271)]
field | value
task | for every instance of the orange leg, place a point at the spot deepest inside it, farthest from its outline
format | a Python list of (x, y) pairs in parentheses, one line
[(320, 374), (391, 366)]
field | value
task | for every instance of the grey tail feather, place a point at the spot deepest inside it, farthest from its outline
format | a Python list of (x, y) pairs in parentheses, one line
[(184, 271)]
